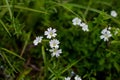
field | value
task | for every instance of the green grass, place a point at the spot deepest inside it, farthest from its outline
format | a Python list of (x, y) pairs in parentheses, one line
[(84, 53)]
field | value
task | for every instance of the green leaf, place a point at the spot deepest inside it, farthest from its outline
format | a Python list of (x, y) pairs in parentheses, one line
[(102, 61), (24, 73), (117, 66), (92, 78)]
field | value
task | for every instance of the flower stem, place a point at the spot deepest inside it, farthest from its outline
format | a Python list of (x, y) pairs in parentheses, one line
[(44, 59)]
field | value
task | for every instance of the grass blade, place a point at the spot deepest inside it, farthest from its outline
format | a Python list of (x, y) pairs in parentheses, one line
[(8, 62), (5, 27), (29, 9), (8, 6), (13, 53), (69, 66)]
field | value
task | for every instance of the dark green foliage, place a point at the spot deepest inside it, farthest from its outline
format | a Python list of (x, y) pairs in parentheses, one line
[(21, 21)]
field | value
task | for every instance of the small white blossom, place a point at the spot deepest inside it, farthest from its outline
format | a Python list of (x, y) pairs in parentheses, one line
[(106, 34), (50, 33), (54, 43), (77, 77), (37, 40), (82, 24), (67, 78), (76, 21), (113, 13), (55, 52), (84, 27), (104, 31)]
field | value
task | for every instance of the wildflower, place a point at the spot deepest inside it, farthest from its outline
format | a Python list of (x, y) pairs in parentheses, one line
[(67, 78), (82, 24), (113, 13), (76, 21), (77, 77), (55, 52), (50, 33), (54, 43), (37, 40), (104, 31), (84, 27), (105, 34)]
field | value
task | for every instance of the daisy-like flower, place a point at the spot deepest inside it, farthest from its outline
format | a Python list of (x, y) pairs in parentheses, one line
[(106, 34), (55, 52), (113, 13), (84, 27), (37, 40), (50, 33), (67, 78), (54, 43), (76, 21), (77, 77), (104, 31)]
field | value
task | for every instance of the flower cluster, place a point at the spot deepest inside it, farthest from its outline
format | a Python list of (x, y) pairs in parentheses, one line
[(113, 13), (54, 43), (78, 22), (76, 78), (106, 34)]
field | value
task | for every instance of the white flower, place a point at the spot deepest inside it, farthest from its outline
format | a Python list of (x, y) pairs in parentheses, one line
[(106, 34), (54, 43), (55, 52), (113, 13), (37, 40), (84, 27), (50, 33), (76, 21), (82, 24), (67, 78), (77, 77), (104, 31)]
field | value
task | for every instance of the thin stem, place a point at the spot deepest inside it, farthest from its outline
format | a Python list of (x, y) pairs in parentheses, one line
[(4, 26), (26, 8), (87, 9), (9, 62), (44, 59), (8, 6), (26, 42)]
